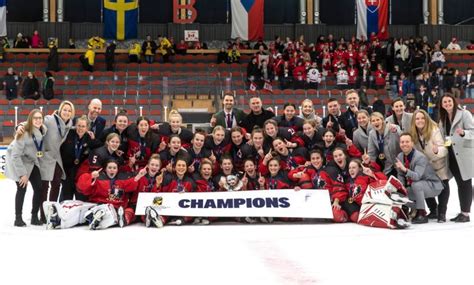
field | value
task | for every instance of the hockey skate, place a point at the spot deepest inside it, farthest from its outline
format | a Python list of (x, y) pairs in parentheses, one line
[(96, 219), (121, 217), (52, 217), (152, 217)]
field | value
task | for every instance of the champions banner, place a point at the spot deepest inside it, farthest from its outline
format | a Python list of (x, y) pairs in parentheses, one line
[(258, 203), (372, 16)]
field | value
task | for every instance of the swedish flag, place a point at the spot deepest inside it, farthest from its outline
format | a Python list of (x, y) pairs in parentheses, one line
[(120, 19)]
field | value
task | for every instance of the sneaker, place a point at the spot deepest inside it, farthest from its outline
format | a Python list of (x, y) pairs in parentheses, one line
[(462, 219), (52, 217), (421, 217), (97, 218), (177, 222), (152, 217)]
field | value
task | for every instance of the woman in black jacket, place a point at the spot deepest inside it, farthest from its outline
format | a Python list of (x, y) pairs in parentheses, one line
[(31, 87), (48, 85)]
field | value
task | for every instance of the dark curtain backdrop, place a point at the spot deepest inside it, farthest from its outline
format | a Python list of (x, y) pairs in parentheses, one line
[(281, 11), (24, 10), (85, 11), (407, 12), (456, 11), (337, 12), (153, 11), (212, 11)]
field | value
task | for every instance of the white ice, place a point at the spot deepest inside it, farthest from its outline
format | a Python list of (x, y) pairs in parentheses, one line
[(233, 253)]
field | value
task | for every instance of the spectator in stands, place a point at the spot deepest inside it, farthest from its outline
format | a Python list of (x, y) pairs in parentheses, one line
[(405, 87), (233, 55), (110, 55), (453, 45), (393, 80), (21, 42), (134, 53), (380, 75), (165, 48), (181, 48), (96, 42), (437, 81), (470, 46), (364, 101), (421, 98), (257, 115), (353, 74), (229, 117), (469, 84), (31, 87), (259, 44), (10, 83), (266, 72), (253, 71), (313, 77), (149, 49), (457, 86), (71, 43), (48, 86), (222, 56), (417, 175), (88, 59), (342, 77), (97, 123), (36, 41), (378, 105), (53, 56), (437, 57)]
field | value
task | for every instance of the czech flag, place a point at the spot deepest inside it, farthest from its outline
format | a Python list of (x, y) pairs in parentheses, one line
[(247, 19), (120, 19), (372, 16)]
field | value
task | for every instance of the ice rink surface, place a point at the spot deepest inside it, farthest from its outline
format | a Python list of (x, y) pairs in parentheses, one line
[(231, 253)]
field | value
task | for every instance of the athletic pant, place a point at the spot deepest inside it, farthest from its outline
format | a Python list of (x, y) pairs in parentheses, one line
[(443, 199), (464, 186), (35, 180)]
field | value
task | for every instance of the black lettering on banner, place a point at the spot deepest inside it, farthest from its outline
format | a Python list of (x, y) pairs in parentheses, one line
[(196, 203), (225, 203), (284, 202), (272, 202), (258, 202), (184, 203), (238, 202), (210, 204)]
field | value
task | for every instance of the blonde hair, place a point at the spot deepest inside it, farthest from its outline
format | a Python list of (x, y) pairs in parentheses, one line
[(64, 103), (427, 131), (29, 123), (378, 115), (175, 113), (218, 128), (85, 119)]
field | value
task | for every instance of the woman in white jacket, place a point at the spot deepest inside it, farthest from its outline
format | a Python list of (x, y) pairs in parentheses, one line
[(23, 163), (428, 139), (456, 125)]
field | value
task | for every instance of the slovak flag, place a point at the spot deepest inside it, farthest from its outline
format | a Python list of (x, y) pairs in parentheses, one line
[(247, 19), (372, 16)]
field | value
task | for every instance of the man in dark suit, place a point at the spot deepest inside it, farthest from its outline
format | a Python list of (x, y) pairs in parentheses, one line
[(97, 123), (469, 84), (229, 117), (418, 176), (421, 98)]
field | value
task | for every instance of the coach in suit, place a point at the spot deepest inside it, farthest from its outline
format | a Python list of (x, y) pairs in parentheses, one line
[(417, 174), (229, 117)]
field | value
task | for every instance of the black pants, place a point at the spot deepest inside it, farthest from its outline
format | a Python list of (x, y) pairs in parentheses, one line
[(442, 205), (69, 191), (35, 180), (464, 186)]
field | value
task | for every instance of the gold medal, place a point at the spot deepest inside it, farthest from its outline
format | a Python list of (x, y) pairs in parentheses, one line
[(39, 154), (381, 156), (350, 200), (447, 143), (76, 161)]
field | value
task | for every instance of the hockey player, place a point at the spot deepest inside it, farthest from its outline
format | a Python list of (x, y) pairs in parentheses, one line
[(240, 149), (174, 150), (312, 175), (197, 152), (174, 127)]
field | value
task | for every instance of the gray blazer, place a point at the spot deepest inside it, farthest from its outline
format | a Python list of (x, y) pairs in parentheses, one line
[(52, 143), (420, 170), (21, 155), (391, 147), (463, 147), (361, 139), (405, 124)]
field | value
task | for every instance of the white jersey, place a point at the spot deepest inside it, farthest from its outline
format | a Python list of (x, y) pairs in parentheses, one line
[(313, 76)]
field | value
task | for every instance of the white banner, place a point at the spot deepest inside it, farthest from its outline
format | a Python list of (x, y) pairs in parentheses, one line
[(258, 203), (3, 154), (191, 35)]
